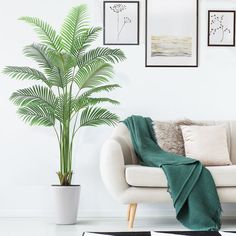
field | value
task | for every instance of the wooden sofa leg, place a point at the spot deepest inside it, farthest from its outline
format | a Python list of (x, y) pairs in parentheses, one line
[(128, 212), (132, 212)]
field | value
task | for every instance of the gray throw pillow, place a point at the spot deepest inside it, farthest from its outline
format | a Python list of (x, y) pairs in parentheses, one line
[(169, 135)]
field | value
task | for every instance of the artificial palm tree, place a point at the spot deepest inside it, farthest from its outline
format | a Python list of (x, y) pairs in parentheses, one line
[(71, 78)]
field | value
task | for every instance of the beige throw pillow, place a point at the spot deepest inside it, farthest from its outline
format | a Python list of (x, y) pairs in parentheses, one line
[(208, 144), (169, 135)]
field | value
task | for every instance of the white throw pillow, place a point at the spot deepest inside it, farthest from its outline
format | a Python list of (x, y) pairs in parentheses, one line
[(208, 144)]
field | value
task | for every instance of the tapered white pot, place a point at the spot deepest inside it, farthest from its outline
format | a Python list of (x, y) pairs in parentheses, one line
[(66, 203)]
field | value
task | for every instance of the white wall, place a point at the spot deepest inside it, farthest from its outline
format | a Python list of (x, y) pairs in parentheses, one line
[(29, 157)]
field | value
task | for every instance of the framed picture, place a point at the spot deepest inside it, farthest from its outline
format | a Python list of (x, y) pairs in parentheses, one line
[(221, 28), (171, 33), (121, 22)]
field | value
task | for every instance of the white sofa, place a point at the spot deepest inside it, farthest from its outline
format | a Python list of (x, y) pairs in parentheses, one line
[(131, 183)]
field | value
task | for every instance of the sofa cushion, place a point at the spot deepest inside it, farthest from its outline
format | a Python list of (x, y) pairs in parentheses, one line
[(207, 144), (169, 135), (143, 176)]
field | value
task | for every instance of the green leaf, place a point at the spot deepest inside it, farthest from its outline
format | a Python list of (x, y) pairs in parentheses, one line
[(85, 40), (55, 76), (36, 95), (59, 78), (69, 61), (104, 54), (91, 35), (56, 65), (81, 103), (95, 101), (64, 61), (39, 53), (75, 24), (25, 73), (104, 88), (93, 74), (95, 116), (37, 115), (67, 78), (63, 111), (50, 60), (45, 32)]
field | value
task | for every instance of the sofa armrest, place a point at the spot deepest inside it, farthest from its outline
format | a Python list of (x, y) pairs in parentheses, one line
[(112, 168)]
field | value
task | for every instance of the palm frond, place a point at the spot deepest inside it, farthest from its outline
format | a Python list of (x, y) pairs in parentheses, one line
[(105, 54), (60, 79), (81, 103), (95, 101), (25, 73), (45, 32), (91, 35), (63, 110), (75, 24), (35, 96), (55, 58), (64, 61), (69, 61), (99, 89), (39, 53), (37, 115), (48, 59), (93, 74), (85, 40), (56, 77), (68, 77), (95, 116)]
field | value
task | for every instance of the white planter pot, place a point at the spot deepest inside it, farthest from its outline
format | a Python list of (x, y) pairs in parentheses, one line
[(66, 203)]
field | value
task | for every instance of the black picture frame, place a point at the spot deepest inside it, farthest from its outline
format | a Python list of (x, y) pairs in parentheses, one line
[(209, 28), (104, 23), (197, 40)]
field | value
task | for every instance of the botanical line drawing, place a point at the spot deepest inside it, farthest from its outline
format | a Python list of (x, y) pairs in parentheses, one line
[(118, 8), (127, 20), (217, 24)]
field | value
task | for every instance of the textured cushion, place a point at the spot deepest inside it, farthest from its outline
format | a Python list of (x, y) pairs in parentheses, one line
[(169, 135), (142, 176), (207, 144)]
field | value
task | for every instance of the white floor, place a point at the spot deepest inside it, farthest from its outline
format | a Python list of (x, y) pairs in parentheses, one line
[(46, 227)]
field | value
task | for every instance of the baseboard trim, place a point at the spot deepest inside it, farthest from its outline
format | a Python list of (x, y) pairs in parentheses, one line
[(25, 213), (97, 214)]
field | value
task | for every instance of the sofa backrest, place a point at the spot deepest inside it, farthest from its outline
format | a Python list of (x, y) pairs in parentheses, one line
[(121, 135)]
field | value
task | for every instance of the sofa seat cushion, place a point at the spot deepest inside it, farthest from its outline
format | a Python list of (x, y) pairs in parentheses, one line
[(143, 176)]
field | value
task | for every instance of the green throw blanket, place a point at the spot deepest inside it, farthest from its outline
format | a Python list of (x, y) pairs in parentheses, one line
[(191, 185)]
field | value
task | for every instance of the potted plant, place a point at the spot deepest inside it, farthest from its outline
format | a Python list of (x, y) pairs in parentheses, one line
[(67, 99)]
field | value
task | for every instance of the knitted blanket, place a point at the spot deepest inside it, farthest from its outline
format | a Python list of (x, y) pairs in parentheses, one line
[(191, 185)]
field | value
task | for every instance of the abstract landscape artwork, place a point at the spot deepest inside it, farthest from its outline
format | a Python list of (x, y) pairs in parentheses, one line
[(221, 28), (171, 33), (171, 46), (121, 22)]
